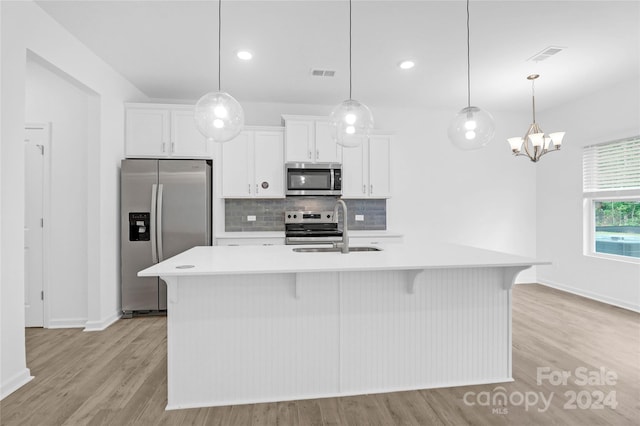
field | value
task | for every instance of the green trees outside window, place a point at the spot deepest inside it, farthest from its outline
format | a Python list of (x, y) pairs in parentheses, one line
[(617, 227)]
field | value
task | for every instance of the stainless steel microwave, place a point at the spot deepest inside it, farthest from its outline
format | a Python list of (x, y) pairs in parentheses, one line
[(313, 179)]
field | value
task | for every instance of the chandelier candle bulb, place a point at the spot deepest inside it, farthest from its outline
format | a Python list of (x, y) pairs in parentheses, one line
[(556, 138), (537, 139), (515, 143)]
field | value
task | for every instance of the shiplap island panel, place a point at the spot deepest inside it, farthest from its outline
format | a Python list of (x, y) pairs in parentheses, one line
[(257, 324)]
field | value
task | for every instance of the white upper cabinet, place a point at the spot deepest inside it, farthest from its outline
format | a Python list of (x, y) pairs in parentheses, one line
[(235, 162), (147, 132), (186, 139), (253, 164), (163, 130), (366, 171), (268, 154), (308, 139)]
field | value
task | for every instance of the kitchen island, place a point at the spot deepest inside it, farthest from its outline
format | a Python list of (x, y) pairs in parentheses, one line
[(248, 324)]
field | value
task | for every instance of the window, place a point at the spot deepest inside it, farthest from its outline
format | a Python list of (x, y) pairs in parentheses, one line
[(611, 185)]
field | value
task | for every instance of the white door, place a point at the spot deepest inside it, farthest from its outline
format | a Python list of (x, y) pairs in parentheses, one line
[(147, 133), (298, 141), (35, 144), (186, 140), (268, 162), (237, 175), (354, 184), (379, 166), (327, 150)]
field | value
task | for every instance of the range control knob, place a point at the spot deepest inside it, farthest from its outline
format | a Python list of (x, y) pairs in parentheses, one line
[(289, 216), (328, 216)]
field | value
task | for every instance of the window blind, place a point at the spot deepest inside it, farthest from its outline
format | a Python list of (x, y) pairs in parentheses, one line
[(612, 166)]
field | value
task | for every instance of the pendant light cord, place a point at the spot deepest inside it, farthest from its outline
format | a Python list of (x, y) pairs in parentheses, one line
[(468, 61), (349, 49), (219, 38)]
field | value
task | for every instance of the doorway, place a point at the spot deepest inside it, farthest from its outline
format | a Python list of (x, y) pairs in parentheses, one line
[(37, 144)]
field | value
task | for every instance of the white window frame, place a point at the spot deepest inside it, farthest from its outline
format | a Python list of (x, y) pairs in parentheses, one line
[(589, 219), (590, 228)]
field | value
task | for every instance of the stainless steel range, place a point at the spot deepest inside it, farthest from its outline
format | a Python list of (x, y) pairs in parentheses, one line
[(306, 227)]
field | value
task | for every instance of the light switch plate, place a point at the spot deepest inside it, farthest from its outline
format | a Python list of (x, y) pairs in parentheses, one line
[(251, 218), (359, 218)]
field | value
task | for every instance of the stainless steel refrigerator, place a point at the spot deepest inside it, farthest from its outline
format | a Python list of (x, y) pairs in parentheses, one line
[(165, 209)]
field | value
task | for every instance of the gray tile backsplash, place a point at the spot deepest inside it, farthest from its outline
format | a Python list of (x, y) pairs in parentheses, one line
[(270, 213)]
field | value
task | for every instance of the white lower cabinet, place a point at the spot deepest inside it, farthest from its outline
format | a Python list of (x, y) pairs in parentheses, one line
[(253, 164), (366, 171)]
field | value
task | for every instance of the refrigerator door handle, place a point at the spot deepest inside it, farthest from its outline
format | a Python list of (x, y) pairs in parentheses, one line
[(152, 231), (159, 224)]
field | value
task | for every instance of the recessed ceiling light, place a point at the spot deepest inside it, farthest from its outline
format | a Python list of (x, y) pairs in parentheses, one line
[(406, 65), (245, 55)]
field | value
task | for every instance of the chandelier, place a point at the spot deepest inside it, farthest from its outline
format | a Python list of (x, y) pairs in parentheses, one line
[(472, 128), (218, 115), (350, 118), (535, 143)]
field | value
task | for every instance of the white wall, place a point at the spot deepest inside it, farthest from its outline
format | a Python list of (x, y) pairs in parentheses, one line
[(25, 26), (483, 198), (599, 117), (52, 98)]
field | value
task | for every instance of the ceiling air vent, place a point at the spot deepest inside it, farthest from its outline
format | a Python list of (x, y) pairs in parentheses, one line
[(322, 73), (546, 53)]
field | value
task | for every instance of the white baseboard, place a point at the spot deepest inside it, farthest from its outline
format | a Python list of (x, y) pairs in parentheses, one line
[(590, 295), (14, 383), (67, 323), (103, 323)]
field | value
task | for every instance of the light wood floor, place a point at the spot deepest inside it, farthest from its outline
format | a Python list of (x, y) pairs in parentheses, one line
[(118, 377)]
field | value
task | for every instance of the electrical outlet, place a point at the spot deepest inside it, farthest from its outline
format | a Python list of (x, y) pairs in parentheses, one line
[(359, 218), (251, 218)]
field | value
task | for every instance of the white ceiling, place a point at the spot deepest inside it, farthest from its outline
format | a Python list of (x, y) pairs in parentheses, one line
[(168, 49)]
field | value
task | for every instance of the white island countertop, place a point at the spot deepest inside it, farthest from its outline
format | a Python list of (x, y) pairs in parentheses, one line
[(232, 260)]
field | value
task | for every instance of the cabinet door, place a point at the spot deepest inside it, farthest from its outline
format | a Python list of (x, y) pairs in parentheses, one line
[(186, 140), (379, 166), (147, 133), (269, 164), (327, 150), (299, 136), (354, 184), (237, 170)]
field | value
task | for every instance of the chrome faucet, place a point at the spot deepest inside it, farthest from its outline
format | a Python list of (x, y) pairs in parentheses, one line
[(344, 245)]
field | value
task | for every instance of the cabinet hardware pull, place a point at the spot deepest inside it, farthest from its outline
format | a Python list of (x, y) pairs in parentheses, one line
[(162, 145), (249, 188), (371, 189), (256, 188), (309, 152), (317, 154), (364, 189), (173, 147)]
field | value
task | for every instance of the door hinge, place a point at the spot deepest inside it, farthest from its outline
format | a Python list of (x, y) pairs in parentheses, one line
[(42, 295)]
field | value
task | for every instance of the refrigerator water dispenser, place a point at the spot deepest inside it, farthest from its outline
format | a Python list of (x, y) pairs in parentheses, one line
[(139, 226)]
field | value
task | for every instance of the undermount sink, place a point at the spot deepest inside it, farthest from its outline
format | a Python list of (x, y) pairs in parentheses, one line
[(332, 249)]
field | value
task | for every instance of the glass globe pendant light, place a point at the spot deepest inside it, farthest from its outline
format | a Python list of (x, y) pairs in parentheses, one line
[(218, 115), (350, 120), (472, 128)]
